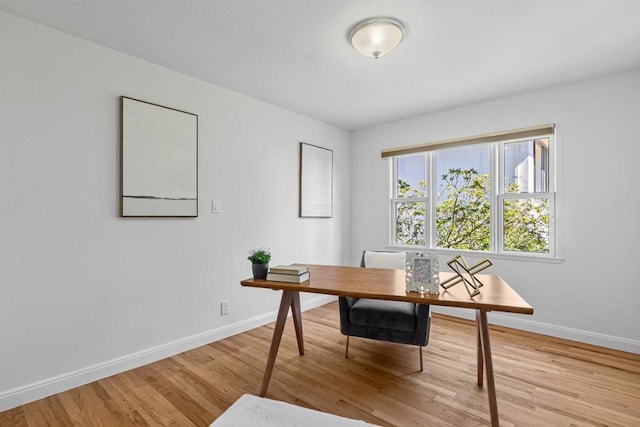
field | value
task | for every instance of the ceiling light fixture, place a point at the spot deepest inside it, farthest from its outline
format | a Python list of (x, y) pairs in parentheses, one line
[(375, 37)]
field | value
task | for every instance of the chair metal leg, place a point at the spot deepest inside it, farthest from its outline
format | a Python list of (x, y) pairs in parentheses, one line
[(346, 351), (420, 358)]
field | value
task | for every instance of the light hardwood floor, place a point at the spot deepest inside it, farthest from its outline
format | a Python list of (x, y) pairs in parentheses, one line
[(541, 381)]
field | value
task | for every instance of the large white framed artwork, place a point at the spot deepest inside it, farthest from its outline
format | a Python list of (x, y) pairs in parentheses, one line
[(316, 181), (159, 160)]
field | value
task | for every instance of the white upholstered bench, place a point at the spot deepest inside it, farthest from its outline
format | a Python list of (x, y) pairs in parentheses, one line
[(256, 411)]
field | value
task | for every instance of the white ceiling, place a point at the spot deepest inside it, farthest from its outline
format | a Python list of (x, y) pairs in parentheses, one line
[(295, 53)]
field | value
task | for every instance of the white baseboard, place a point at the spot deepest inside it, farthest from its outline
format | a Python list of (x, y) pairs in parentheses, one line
[(602, 340), (50, 386)]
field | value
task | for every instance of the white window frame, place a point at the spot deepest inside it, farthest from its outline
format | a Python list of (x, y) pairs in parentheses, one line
[(394, 202), (497, 195), (524, 196)]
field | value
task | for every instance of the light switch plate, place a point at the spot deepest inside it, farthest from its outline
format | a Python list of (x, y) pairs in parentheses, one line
[(216, 206)]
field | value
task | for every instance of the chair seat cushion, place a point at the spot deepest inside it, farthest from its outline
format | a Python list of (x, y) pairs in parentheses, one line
[(398, 315)]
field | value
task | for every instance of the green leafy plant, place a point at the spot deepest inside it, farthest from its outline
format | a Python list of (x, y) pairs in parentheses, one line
[(259, 256), (463, 214)]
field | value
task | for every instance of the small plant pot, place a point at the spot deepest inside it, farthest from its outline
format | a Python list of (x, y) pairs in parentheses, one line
[(260, 270)]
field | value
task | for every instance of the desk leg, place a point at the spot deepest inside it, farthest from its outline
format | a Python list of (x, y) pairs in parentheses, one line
[(479, 350), (488, 363), (285, 303), (297, 321)]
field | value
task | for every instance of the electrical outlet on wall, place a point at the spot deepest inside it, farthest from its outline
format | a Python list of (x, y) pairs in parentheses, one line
[(224, 308)]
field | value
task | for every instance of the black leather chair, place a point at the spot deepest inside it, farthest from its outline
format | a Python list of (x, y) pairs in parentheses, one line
[(393, 321)]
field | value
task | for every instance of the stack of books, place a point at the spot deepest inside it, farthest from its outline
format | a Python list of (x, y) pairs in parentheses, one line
[(288, 273)]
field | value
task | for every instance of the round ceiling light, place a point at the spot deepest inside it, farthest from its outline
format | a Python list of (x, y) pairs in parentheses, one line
[(375, 37)]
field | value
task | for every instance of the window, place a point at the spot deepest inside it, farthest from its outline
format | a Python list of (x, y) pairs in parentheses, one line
[(525, 201), (484, 196), (463, 198), (410, 202)]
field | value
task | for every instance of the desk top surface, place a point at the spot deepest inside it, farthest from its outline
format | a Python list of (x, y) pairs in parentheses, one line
[(378, 283)]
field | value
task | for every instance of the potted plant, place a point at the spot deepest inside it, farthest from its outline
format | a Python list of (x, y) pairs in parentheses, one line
[(259, 262)]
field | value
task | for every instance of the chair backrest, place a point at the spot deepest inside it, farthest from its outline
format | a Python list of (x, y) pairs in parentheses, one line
[(383, 259)]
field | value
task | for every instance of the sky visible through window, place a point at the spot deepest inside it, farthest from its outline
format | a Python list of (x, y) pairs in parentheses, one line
[(465, 158), (412, 168)]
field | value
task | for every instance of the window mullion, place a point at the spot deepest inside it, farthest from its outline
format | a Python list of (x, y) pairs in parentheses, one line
[(553, 187), (394, 178), (393, 173), (433, 194), (553, 249), (497, 229)]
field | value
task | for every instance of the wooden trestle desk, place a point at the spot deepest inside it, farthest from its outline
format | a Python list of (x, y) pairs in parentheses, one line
[(496, 295)]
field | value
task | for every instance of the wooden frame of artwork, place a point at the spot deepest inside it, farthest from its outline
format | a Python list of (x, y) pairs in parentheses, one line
[(316, 182), (159, 160)]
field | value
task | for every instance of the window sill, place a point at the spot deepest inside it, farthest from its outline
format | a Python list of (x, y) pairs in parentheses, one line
[(479, 254)]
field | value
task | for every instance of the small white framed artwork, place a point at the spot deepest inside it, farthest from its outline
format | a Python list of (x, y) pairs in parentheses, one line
[(316, 181), (422, 272)]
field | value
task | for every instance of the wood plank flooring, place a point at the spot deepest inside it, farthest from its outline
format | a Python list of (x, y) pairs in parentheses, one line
[(541, 381)]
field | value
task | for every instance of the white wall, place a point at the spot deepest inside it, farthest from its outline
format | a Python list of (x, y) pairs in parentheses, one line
[(84, 293), (593, 295)]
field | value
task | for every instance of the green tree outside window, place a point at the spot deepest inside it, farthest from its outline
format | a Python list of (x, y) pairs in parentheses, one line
[(463, 215)]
